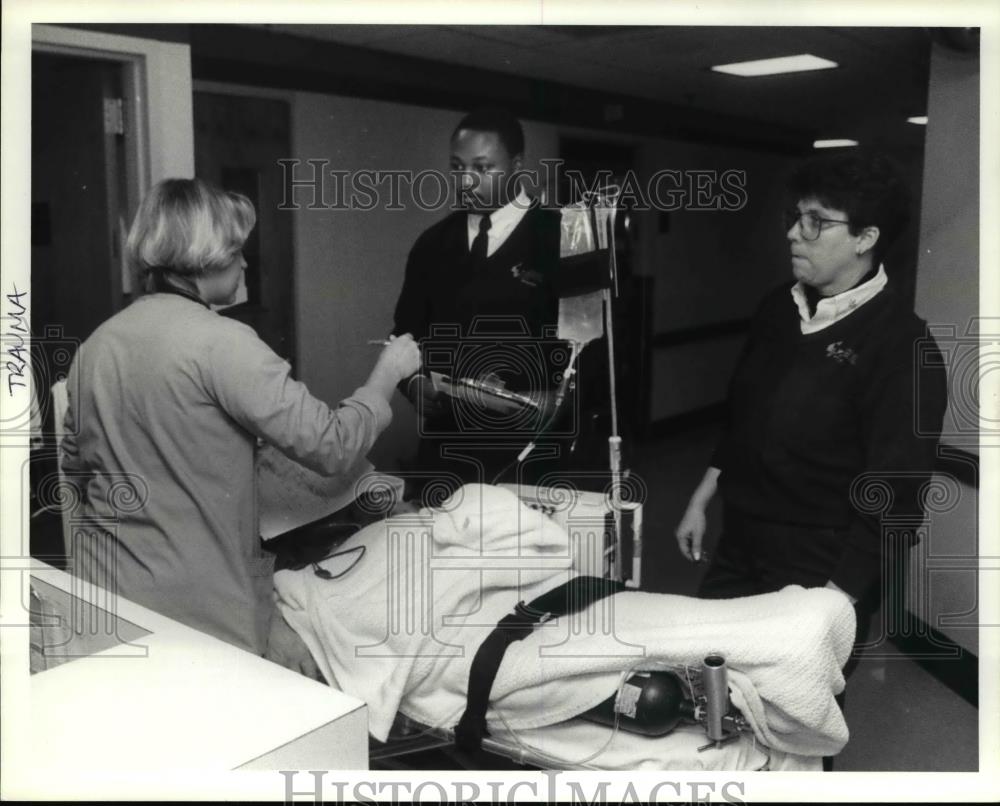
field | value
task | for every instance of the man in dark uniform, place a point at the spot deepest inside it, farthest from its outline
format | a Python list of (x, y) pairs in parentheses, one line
[(478, 293)]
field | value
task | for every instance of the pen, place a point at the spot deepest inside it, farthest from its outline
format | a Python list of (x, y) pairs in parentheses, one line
[(383, 342)]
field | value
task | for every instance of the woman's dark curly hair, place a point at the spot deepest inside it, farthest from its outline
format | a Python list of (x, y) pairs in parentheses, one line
[(867, 186)]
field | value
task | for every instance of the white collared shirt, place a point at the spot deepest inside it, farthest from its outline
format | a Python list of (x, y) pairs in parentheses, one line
[(833, 309), (502, 222)]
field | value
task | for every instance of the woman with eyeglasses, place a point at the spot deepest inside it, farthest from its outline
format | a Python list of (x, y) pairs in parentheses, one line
[(837, 399), (167, 400)]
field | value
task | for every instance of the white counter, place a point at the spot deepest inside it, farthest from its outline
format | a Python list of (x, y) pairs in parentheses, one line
[(168, 697)]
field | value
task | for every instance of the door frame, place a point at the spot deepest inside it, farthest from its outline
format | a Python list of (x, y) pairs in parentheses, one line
[(162, 91), (157, 89)]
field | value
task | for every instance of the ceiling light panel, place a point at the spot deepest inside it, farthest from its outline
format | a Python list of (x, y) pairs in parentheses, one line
[(769, 67)]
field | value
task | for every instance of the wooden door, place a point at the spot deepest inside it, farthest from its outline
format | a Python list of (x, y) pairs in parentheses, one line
[(77, 193), (238, 141), (78, 200)]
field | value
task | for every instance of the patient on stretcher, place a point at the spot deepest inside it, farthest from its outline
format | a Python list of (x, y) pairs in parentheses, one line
[(397, 615)]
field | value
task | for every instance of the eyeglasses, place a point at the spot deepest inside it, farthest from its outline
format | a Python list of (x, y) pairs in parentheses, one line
[(810, 224)]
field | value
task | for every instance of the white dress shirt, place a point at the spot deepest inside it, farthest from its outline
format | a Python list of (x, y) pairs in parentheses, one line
[(502, 222), (833, 309)]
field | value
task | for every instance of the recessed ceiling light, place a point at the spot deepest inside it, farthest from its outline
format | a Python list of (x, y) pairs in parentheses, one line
[(770, 67), (920, 120), (834, 143)]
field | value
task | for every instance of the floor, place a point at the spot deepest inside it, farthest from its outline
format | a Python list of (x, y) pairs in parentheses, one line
[(900, 717)]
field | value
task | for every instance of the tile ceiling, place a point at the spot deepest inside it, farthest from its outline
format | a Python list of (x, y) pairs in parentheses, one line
[(882, 78)]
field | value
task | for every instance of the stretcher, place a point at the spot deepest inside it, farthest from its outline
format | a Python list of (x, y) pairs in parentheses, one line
[(592, 534), (577, 745), (413, 732)]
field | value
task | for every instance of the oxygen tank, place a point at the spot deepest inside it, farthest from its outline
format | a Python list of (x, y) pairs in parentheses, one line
[(649, 703)]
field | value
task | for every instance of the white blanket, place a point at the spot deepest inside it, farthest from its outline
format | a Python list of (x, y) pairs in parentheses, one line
[(400, 628)]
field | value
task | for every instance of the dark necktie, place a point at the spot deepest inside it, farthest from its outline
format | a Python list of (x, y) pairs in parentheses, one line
[(480, 242)]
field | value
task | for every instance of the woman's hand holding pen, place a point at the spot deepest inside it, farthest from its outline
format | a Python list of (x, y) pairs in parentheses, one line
[(399, 360), (419, 390)]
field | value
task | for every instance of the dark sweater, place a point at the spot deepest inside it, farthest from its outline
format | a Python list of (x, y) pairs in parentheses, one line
[(496, 313), (816, 419), (511, 295)]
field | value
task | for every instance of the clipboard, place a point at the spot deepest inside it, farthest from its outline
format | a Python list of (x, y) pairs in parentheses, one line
[(492, 396)]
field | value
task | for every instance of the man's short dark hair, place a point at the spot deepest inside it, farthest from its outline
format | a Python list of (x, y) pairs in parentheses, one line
[(498, 121), (868, 186)]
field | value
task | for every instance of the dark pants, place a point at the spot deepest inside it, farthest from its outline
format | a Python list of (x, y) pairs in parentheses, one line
[(755, 556)]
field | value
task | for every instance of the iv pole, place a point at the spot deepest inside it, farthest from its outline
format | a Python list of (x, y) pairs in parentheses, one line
[(613, 553), (615, 440)]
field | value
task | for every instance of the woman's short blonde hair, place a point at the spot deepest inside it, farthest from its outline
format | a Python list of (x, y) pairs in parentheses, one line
[(188, 228)]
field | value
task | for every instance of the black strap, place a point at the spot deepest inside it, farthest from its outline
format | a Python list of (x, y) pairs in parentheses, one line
[(569, 597)]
